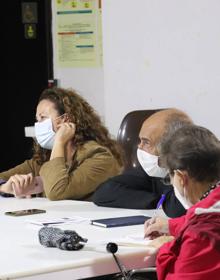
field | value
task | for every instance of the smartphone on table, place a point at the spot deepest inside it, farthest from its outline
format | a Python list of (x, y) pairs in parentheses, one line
[(25, 212)]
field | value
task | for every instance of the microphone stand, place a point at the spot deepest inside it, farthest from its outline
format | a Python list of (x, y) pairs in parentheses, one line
[(113, 248)]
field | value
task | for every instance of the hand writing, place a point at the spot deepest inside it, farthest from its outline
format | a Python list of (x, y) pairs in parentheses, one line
[(155, 227)]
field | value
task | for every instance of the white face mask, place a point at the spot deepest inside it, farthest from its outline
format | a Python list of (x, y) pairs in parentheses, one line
[(45, 134), (182, 199), (150, 165)]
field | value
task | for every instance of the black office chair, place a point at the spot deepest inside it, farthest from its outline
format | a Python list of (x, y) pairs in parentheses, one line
[(128, 139), (128, 135)]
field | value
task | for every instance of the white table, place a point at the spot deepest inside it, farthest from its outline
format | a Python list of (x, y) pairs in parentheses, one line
[(23, 257)]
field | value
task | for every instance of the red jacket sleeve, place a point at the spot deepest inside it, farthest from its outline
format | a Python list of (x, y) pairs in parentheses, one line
[(196, 260), (176, 224)]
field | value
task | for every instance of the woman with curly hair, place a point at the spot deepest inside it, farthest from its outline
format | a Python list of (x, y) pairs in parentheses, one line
[(73, 153)]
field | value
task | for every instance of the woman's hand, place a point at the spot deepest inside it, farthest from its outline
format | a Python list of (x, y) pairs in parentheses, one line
[(17, 183), (65, 132), (155, 227), (7, 188), (154, 246)]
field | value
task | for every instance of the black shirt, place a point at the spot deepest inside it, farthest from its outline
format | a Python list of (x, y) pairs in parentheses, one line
[(134, 189)]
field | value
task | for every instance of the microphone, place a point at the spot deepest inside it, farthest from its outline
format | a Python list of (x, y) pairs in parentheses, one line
[(113, 248), (62, 239)]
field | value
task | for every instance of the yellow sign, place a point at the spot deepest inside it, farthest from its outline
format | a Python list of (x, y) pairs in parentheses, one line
[(30, 31), (78, 33)]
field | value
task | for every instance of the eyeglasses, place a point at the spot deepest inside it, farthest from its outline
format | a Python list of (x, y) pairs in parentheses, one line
[(166, 180)]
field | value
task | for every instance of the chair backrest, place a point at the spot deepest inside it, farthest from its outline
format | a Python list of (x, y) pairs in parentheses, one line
[(128, 135)]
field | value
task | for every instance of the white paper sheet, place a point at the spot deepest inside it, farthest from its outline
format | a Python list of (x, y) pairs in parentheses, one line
[(58, 221)]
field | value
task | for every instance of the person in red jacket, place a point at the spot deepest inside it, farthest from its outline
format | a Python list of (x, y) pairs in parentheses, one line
[(192, 157)]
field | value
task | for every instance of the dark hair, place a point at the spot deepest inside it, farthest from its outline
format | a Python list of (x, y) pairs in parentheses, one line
[(194, 149), (88, 123)]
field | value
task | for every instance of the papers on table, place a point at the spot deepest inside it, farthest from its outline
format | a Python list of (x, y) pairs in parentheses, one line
[(58, 221), (125, 241), (133, 240)]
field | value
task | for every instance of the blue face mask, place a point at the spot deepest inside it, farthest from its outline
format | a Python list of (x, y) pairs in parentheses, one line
[(44, 134)]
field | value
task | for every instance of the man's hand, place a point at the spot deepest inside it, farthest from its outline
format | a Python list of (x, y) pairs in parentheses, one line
[(156, 227)]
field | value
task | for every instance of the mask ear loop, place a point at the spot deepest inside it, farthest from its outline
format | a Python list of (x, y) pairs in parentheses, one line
[(61, 116), (183, 178)]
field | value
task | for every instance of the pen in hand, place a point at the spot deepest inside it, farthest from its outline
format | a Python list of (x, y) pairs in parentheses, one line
[(159, 205), (155, 234)]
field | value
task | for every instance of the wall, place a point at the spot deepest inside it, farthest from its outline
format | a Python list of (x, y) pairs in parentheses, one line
[(88, 82), (160, 54), (157, 54)]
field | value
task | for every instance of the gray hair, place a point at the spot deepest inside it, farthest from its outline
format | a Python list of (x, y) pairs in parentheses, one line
[(174, 121), (194, 149)]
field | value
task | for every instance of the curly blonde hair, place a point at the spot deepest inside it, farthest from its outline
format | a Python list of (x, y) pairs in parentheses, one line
[(88, 124)]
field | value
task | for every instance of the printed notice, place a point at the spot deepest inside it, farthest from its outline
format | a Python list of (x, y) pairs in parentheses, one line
[(78, 33)]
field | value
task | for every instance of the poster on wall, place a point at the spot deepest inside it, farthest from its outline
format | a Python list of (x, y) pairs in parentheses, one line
[(78, 33)]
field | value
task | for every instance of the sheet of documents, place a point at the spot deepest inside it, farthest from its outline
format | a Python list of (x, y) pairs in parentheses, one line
[(133, 240), (58, 221)]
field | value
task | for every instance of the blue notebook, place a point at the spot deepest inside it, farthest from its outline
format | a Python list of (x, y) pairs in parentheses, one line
[(120, 221)]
